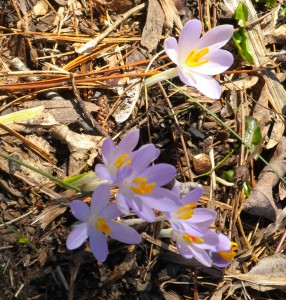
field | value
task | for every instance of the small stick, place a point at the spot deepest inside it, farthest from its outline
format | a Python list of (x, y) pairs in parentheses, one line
[(83, 109), (179, 129), (88, 47)]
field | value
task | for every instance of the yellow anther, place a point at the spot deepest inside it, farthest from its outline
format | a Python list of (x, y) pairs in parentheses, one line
[(141, 186), (102, 226), (122, 160), (186, 211), (229, 255), (194, 57), (193, 239)]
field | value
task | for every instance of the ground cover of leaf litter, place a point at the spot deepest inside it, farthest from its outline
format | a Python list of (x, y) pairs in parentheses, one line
[(78, 66)]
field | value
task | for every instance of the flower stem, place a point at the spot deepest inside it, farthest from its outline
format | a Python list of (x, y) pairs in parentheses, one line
[(131, 222), (165, 233), (55, 179), (165, 75)]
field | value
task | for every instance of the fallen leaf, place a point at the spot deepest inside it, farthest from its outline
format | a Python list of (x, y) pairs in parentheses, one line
[(261, 201)]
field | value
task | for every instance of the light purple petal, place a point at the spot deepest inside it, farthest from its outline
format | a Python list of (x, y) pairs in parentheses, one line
[(98, 244), (176, 189), (184, 249), (210, 240), (103, 173), (201, 255), (218, 261), (100, 199), (77, 237), (128, 143), (187, 77), (216, 37), (111, 212), (207, 85), (161, 199), (124, 233), (142, 210), (144, 156), (193, 196), (80, 210), (219, 61), (189, 38), (223, 244), (172, 49), (107, 151), (203, 216), (190, 228), (122, 203), (161, 174), (123, 173)]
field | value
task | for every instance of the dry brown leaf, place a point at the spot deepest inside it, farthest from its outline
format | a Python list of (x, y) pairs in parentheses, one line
[(154, 26), (268, 274), (261, 201)]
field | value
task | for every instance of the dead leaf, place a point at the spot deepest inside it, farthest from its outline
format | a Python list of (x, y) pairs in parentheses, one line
[(261, 201), (154, 26), (268, 274)]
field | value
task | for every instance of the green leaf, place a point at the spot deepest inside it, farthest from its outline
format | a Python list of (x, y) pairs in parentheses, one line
[(22, 240), (241, 41), (228, 175), (241, 14), (253, 134), (270, 3), (247, 189)]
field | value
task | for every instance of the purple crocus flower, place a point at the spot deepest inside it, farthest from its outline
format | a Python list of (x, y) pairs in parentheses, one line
[(197, 57), (190, 245), (225, 251), (96, 224), (140, 189), (186, 217), (115, 158)]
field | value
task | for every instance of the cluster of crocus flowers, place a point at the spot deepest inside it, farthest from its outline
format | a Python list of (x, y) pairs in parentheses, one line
[(198, 58), (141, 189)]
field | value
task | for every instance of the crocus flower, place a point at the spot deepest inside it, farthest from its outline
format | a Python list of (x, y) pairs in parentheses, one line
[(115, 158), (96, 223), (187, 217), (140, 189), (197, 57), (196, 245), (224, 253)]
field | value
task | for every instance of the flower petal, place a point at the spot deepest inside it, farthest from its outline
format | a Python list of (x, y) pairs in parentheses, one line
[(160, 199), (144, 156), (219, 61), (124, 233), (210, 240), (77, 237), (216, 37), (189, 38), (98, 244), (100, 199), (103, 173), (161, 174), (122, 203), (205, 84), (193, 196), (203, 217), (184, 249), (223, 244), (128, 143), (172, 49), (111, 212), (80, 210), (218, 261), (142, 210), (201, 255), (107, 151)]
